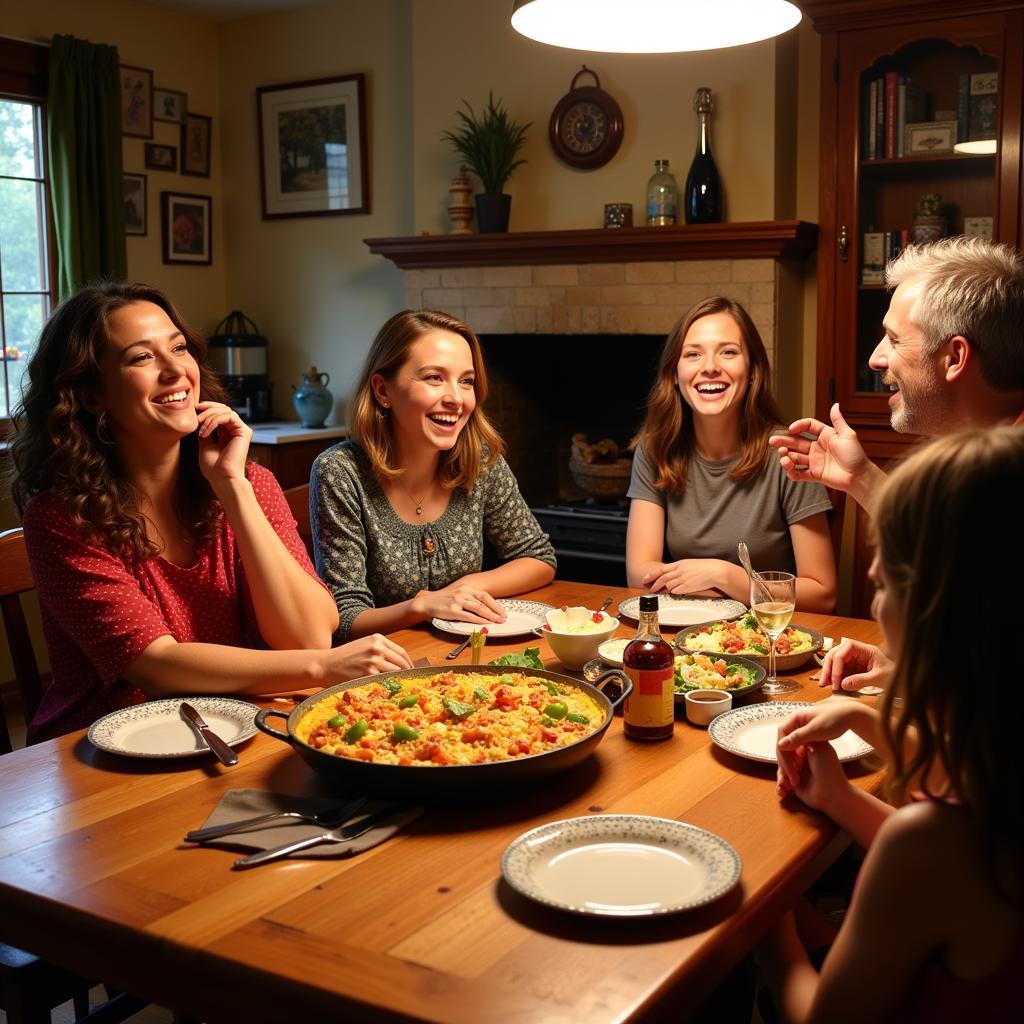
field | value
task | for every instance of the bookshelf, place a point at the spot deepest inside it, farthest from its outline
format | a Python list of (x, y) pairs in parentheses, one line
[(869, 189)]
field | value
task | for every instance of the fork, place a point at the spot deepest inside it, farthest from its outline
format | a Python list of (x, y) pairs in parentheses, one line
[(328, 817)]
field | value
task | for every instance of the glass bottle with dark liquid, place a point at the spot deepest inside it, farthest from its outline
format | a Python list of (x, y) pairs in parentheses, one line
[(649, 711), (702, 197)]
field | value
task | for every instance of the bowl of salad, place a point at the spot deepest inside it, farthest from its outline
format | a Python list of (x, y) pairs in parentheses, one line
[(743, 638), (738, 676)]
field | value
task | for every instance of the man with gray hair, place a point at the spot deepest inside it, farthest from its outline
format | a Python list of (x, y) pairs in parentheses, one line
[(952, 355)]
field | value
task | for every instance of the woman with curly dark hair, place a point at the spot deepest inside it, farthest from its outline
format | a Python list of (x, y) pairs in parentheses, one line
[(162, 557), (702, 479)]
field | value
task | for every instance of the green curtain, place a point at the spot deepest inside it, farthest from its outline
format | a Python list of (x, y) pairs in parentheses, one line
[(83, 130)]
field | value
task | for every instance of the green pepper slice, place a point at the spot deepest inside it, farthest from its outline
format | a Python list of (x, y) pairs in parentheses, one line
[(404, 733), (556, 710), (337, 722), (579, 719), (391, 686), (410, 700), (456, 708), (553, 690), (357, 731), (481, 694)]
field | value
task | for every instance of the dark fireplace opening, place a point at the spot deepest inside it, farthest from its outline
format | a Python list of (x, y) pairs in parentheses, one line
[(543, 390)]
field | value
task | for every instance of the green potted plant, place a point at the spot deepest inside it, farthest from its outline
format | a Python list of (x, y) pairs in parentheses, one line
[(488, 145)]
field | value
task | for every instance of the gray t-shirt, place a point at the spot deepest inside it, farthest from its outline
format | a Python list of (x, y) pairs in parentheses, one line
[(716, 512), (370, 557)]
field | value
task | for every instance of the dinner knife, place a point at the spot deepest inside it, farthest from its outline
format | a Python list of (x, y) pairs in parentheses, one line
[(224, 753)]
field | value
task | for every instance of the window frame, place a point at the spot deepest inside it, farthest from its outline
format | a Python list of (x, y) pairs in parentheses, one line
[(24, 76)]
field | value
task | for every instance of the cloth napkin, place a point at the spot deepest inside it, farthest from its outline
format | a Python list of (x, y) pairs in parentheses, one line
[(237, 804)]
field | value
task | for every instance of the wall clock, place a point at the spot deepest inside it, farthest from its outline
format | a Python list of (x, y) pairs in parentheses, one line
[(586, 125)]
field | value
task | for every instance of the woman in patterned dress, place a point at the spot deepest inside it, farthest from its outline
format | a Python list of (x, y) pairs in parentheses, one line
[(400, 512), (163, 559)]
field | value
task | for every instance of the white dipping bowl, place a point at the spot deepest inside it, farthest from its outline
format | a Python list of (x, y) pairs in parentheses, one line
[(612, 650), (574, 650), (704, 706)]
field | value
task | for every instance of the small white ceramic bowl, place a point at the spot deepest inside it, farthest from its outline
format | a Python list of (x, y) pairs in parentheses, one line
[(612, 650), (704, 706), (574, 650)]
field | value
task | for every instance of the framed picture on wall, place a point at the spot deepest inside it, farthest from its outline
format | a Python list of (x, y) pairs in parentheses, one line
[(135, 204), (169, 105), (136, 102), (195, 145), (159, 157), (187, 228), (313, 151)]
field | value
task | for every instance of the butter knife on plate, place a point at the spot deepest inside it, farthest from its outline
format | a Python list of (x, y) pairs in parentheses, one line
[(224, 753)]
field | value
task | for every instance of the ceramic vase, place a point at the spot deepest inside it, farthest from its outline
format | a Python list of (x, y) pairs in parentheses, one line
[(312, 401)]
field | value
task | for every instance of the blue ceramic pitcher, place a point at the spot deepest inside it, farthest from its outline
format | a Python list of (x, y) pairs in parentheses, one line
[(313, 401)]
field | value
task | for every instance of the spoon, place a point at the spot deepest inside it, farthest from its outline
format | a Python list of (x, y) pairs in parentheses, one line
[(744, 554), (607, 604)]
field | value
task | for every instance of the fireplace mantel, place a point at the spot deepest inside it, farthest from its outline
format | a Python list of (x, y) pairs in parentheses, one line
[(771, 239)]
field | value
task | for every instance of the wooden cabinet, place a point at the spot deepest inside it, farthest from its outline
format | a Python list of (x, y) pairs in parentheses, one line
[(933, 46)]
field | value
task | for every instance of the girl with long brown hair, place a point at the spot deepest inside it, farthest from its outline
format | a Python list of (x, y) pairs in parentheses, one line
[(400, 512), (935, 930), (702, 476), (162, 557)]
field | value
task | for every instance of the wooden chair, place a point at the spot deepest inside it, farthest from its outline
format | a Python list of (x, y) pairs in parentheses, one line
[(15, 580), (29, 987), (298, 502)]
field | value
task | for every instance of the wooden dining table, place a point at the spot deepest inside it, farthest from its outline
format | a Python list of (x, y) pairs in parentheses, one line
[(94, 875)]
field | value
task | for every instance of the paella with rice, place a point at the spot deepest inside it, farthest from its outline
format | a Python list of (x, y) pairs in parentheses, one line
[(450, 719)]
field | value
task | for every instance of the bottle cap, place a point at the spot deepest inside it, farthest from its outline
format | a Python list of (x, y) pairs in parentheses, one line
[(649, 603)]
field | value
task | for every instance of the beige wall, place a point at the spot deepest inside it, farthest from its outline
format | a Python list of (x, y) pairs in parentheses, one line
[(310, 283), (463, 49), (182, 52)]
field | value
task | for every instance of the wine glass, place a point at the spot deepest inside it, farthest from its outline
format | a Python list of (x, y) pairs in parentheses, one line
[(773, 601)]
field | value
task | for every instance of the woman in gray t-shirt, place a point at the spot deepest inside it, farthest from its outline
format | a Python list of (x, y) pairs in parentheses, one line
[(702, 477), (400, 513)]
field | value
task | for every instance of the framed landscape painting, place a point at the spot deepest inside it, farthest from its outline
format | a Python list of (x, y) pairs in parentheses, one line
[(136, 102), (134, 204), (187, 228), (195, 145), (313, 147)]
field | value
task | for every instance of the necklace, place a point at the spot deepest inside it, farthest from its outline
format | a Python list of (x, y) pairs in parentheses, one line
[(417, 503)]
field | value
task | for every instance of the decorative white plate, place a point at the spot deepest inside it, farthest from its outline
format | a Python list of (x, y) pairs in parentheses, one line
[(520, 617), (621, 865), (680, 610), (752, 732), (156, 728)]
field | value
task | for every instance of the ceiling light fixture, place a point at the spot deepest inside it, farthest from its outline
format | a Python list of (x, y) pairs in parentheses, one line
[(652, 26)]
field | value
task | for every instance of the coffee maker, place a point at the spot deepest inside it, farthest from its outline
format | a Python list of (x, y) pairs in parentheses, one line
[(238, 352)]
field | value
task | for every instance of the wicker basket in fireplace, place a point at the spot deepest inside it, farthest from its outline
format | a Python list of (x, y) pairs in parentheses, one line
[(598, 468)]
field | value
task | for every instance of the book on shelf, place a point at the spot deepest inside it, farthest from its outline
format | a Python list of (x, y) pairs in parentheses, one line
[(963, 95), (892, 87), (911, 107), (888, 104), (872, 269), (982, 106)]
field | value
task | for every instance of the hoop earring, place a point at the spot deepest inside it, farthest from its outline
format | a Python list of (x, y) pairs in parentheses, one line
[(101, 423)]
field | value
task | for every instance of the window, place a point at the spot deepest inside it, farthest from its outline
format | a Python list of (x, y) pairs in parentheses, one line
[(24, 262), (25, 295)]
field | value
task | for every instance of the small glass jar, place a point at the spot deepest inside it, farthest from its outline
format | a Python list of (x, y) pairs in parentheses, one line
[(662, 196)]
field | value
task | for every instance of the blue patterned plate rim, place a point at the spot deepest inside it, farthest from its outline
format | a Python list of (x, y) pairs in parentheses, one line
[(222, 714), (535, 614), (723, 729), (670, 609), (543, 846)]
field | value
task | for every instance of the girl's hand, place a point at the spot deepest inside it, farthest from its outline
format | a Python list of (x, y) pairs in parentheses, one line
[(222, 457), (687, 576), (853, 664), (460, 601), (365, 657), (821, 782), (827, 720)]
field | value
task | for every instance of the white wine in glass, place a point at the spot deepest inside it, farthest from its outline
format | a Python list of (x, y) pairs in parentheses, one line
[(773, 601)]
